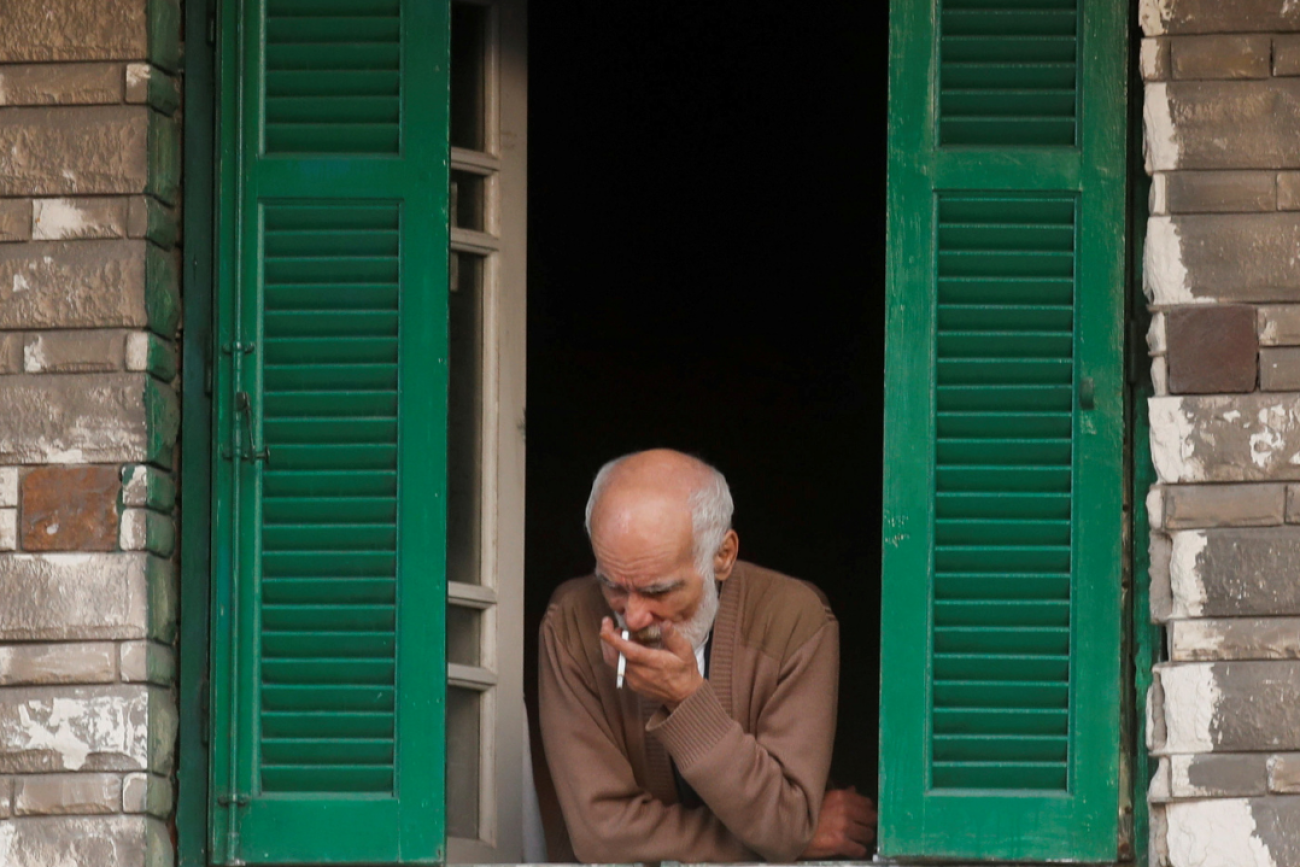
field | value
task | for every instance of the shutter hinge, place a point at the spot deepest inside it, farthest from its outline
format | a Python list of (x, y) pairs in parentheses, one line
[(237, 800)]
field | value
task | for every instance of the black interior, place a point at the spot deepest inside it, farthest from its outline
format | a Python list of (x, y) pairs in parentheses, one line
[(706, 272)]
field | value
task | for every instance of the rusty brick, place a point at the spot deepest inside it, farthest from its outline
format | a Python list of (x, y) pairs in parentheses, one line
[(61, 84), (70, 509), (1286, 54), (1212, 349), (1221, 56)]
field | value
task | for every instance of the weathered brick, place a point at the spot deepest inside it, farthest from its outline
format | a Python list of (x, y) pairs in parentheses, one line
[(1214, 192), (8, 487), (74, 30), (8, 529), (64, 841), (1208, 640), (70, 509), (1245, 706), (69, 597), (1221, 56), (1222, 124), (79, 218), (1159, 375), (147, 662), (15, 220), (1221, 438), (1218, 775), (1153, 58), (149, 85), (1231, 832), (1160, 551), (6, 802), (126, 727), (1205, 257), (1286, 54), (1284, 773), (75, 151), (1279, 368), (1293, 504), (147, 793), (80, 662), (1212, 348), (1214, 16), (143, 530), (88, 284), (1242, 572), (1279, 324), (61, 84), (144, 487), (149, 218), (147, 352), (75, 351), (11, 353), (86, 418), (67, 794), (1288, 191), (1189, 506)]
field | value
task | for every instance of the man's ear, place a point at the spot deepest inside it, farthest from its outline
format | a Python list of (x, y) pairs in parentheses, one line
[(725, 558)]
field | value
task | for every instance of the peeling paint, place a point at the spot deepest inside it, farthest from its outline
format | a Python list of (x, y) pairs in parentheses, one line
[(1164, 276), (1191, 703), (53, 219), (1185, 574), (1215, 833), (1157, 198), (1160, 144), (1231, 415), (20, 283), (1152, 15), (1171, 442), (136, 73)]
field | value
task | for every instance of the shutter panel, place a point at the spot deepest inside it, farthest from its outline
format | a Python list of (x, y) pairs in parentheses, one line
[(1003, 495), (329, 667)]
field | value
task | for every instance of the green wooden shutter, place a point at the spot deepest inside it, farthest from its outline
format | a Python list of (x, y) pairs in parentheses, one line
[(329, 670), (1003, 495)]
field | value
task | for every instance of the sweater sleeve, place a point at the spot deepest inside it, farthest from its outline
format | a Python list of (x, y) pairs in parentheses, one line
[(767, 787), (609, 817)]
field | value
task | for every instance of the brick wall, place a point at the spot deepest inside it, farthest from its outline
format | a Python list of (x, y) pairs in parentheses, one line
[(89, 309), (1222, 273)]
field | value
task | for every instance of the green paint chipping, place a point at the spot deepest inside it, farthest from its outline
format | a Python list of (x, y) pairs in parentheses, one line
[(162, 297), (162, 418), (1004, 416), (164, 158), (165, 34)]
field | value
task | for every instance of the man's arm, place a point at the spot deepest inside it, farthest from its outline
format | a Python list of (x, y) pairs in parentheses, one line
[(609, 817), (767, 787)]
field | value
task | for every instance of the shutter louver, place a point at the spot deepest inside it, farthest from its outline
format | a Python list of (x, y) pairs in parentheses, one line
[(333, 76), (329, 513), (1007, 72), (1004, 372)]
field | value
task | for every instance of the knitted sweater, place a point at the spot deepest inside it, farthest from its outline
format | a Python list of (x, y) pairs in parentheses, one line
[(754, 741)]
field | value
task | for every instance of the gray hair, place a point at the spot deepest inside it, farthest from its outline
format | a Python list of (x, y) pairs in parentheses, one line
[(711, 511)]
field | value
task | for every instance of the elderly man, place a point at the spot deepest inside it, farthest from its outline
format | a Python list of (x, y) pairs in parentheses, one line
[(717, 745)]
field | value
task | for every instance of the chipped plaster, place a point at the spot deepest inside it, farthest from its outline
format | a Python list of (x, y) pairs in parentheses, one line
[(1184, 573), (53, 219), (1191, 703), (1171, 443), (1160, 144), (1152, 14), (1164, 276), (1215, 833)]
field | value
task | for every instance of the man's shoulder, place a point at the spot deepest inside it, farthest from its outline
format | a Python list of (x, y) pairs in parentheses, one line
[(575, 609), (778, 613)]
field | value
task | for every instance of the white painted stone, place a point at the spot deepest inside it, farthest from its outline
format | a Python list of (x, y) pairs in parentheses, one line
[(1159, 140), (1215, 833), (1159, 376), (8, 486), (1191, 701), (1185, 584), (1171, 447), (147, 793), (1164, 276), (1152, 15), (8, 529), (85, 841), (62, 662), (1156, 507), (147, 661), (137, 351), (58, 597), (1160, 789), (1157, 343), (133, 529), (1158, 196), (105, 728)]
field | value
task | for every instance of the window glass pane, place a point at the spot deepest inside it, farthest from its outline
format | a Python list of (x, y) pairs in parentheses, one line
[(467, 200), (469, 25), (465, 410), (463, 630), (463, 713)]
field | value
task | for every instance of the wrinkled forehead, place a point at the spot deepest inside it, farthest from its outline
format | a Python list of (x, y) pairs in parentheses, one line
[(638, 533)]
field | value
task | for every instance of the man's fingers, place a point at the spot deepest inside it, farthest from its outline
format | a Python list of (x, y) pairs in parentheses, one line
[(674, 642)]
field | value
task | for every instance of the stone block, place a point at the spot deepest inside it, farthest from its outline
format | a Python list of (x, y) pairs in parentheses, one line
[(79, 218), (11, 353), (1235, 572), (1232, 832), (1191, 506), (6, 803), (1153, 59), (1200, 258), (8, 529), (91, 150), (143, 530), (74, 30), (1218, 775), (149, 218), (1286, 54), (72, 597), (1234, 638), (1293, 504), (147, 793), (83, 841), (1221, 56), (1159, 17), (1284, 773), (125, 727), (147, 352), (150, 86), (87, 418), (1249, 437), (147, 662), (1246, 706), (144, 487), (1222, 124), (8, 487), (1214, 192), (1160, 550), (15, 220), (75, 351), (1288, 191), (70, 509), (67, 794), (61, 84), (1157, 339), (80, 662), (1279, 369), (1279, 324), (89, 284), (1212, 348), (1159, 376)]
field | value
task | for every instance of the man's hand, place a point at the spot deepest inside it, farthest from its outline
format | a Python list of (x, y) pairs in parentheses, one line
[(845, 828), (669, 674)]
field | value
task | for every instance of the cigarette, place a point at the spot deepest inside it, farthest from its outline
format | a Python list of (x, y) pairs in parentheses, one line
[(622, 665)]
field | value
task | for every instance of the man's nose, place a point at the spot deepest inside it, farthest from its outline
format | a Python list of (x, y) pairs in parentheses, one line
[(637, 613)]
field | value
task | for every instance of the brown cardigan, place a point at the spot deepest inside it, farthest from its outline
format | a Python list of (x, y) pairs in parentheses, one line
[(754, 742)]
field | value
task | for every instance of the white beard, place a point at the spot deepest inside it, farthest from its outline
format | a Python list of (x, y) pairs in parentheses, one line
[(695, 630)]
